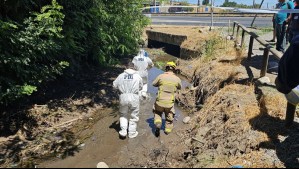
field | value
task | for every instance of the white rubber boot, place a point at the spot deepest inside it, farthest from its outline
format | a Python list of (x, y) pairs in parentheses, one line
[(133, 135)]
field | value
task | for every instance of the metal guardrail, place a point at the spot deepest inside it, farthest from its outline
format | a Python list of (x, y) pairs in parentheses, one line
[(291, 109), (218, 14)]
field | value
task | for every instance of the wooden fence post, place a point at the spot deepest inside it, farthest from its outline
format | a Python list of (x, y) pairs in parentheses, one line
[(250, 47), (243, 38), (237, 36), (290, 115), (265, 62), (234, 29)]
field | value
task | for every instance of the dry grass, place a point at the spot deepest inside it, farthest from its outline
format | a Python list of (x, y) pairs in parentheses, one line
[(225, 121), (236, 131), (199, 39), (233, 124), (236, 91), (273, 103), (253, 160)]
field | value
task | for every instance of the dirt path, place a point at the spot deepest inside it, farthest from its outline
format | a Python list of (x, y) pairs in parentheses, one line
[(144, 151)]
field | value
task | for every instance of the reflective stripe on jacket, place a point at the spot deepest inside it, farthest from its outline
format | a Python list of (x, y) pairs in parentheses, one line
[(168, 84)]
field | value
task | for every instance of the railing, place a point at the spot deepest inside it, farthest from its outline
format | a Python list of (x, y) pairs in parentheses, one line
[(291, 109), (217, 14), (253, 36)]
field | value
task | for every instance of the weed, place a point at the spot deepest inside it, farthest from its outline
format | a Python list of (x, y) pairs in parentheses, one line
[(160, 64), (211, 46)]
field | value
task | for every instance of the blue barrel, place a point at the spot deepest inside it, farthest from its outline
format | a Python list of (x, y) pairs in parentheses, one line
[(152, 10)]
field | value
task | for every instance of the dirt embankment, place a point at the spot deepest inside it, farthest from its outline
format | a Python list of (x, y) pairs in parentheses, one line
[(237, 121)]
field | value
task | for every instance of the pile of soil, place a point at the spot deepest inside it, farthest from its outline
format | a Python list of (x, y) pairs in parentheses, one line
[(222, 126), (239, 122), (209, 76)]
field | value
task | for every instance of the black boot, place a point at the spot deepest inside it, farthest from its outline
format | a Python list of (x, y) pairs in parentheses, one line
[(157, 132)]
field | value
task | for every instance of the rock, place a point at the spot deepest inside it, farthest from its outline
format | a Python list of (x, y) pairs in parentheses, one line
[(81, 145), (230, 37), (296, 119), (263, 80), (77, 143), (186, 120), (102, 165), (103, 92)]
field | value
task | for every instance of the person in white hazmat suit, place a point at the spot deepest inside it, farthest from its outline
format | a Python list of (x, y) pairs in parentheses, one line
[(142, 63), (129, 83)]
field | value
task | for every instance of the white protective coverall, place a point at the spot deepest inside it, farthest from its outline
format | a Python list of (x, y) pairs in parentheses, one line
[(142, 63), (129, 84)]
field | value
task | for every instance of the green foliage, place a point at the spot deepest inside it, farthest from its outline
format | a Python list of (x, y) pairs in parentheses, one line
[(211, 45), (160, 65), (206, 2), (264, 30), (97, 31), (28, 90), (29, 52), (236, 5), (39, 39)]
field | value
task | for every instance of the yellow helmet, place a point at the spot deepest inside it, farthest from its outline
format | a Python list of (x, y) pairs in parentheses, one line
[(171, 64)]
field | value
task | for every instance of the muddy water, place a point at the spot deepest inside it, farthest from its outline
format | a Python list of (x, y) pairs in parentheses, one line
[(105, 145)]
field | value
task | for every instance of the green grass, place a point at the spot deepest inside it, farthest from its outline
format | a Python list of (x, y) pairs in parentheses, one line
[(263, 31), (160, 65)]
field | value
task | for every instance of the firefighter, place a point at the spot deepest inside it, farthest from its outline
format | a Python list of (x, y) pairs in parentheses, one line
[(168, 84)]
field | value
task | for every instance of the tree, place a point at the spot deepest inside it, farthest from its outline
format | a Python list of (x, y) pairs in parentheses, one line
[(229, 4), (206, 2), (234, 4), (39, 39)]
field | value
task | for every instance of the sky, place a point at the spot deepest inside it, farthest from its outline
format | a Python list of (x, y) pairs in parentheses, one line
[(270, 3)]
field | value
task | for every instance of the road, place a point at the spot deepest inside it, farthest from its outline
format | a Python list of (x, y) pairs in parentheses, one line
[(206, 21)]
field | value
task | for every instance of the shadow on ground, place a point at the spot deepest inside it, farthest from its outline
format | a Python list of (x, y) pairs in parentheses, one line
[(94, 84), (283, 140), (152, 125), (256, 62)]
